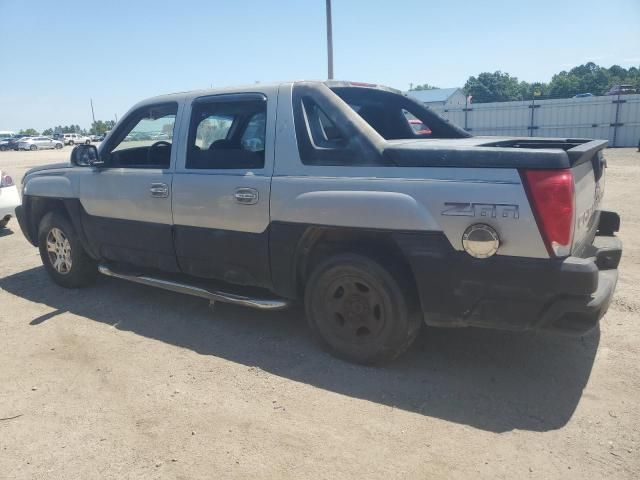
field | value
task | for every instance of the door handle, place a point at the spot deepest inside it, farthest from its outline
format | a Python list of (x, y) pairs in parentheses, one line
[(159, 190), (246, 196)]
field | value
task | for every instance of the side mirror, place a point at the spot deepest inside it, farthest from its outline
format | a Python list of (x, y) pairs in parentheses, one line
[(85, 155)]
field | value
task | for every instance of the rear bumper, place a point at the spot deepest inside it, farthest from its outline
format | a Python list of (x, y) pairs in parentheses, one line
[(567, 295), (580, 314)]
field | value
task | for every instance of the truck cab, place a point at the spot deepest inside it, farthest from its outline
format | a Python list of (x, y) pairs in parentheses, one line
[(326, 193)]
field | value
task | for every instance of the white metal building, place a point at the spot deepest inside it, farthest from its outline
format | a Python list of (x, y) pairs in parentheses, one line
[(614, 118), (440, 97)]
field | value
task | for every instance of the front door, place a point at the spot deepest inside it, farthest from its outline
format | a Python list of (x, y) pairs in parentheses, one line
[(127, 202), (221, 189)]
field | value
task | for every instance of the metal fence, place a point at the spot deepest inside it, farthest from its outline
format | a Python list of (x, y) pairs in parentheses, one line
[(613, 118)]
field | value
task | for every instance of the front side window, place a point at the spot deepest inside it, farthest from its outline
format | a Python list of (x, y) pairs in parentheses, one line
[(146, 140), (227, 135)]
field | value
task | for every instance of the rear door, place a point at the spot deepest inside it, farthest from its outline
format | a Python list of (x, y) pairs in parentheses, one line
[(221, 188), (127, 203)]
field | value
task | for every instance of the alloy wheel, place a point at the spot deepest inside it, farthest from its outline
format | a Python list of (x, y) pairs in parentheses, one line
[(59, 250)]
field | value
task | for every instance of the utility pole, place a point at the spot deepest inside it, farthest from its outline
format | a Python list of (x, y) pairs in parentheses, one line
[(92, 114), (116, 115), (329, 42)]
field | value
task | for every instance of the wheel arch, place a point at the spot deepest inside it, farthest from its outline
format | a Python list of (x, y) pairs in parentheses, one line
[(302, 247), (35, 208)]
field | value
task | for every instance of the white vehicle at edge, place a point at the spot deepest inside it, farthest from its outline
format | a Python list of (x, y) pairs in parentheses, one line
[(4, 134), (9, 199), (75, 138), (38, 143)]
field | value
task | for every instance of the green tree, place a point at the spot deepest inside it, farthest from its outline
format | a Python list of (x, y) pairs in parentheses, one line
[(424, 86), (29, 132), (587, 78), (100, 127), (493, 87), (48, 132)]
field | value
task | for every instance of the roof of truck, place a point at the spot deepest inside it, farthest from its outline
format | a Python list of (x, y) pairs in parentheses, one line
[(258, 87)]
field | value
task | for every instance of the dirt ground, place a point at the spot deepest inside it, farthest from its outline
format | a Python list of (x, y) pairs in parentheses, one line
[(124, 381)]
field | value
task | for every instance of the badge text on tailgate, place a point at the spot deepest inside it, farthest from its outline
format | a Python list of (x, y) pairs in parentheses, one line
[(489, 210)]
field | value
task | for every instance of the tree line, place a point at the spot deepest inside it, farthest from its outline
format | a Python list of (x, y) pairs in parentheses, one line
[(588, 78), (99, 127)]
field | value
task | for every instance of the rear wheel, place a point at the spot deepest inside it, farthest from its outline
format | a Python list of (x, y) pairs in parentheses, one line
[(58, 146), (360, 310), (70, 142), (87, 142), (33, 147), (62, 253)]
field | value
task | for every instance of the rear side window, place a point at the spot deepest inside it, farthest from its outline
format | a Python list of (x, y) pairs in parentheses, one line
[(324, 132), (327, 131), (227, 134)]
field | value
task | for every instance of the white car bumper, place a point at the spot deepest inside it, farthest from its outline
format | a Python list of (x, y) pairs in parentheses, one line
[(9, 200)]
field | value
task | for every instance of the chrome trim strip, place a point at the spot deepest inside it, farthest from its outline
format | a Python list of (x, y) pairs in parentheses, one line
[(400, 179), (212, 296)]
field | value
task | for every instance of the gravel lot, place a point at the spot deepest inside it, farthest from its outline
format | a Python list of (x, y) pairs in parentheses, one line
[(124, 381)]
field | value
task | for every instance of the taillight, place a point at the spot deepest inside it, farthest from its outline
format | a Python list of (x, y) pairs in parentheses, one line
[(552, 197), (5, 180)]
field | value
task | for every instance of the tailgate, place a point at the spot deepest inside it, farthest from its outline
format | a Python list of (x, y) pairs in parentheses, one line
[(588, 167)]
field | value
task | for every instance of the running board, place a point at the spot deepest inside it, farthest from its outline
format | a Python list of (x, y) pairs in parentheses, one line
[(212, 296)]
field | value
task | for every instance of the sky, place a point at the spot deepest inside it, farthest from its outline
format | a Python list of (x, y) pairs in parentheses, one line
[(58, 55)]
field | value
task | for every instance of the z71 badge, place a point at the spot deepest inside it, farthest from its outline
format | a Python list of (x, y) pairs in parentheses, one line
[(489, 210)]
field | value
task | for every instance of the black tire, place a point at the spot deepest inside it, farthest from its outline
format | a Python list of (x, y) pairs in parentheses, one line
[(83, 269), (71, 142), (3, 148), (361, 311), (87, 142), (58, 146), (3, 223), (33, 147)]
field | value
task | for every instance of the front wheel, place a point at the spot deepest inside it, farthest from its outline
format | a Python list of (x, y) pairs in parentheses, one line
[(87, 142), (33, 147), (360, 310), (71, 142), (58, 146), (62, 253)]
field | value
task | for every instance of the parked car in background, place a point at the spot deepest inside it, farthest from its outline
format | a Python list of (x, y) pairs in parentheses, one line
[(583, 95), (74, 138), (4, 145), (419, 128), (9, 199), (96, 138), (5, 134), (622, 90), (11, 143), (38, 143)]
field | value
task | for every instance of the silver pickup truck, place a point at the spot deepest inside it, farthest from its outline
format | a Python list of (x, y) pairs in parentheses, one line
[(323, 192)]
